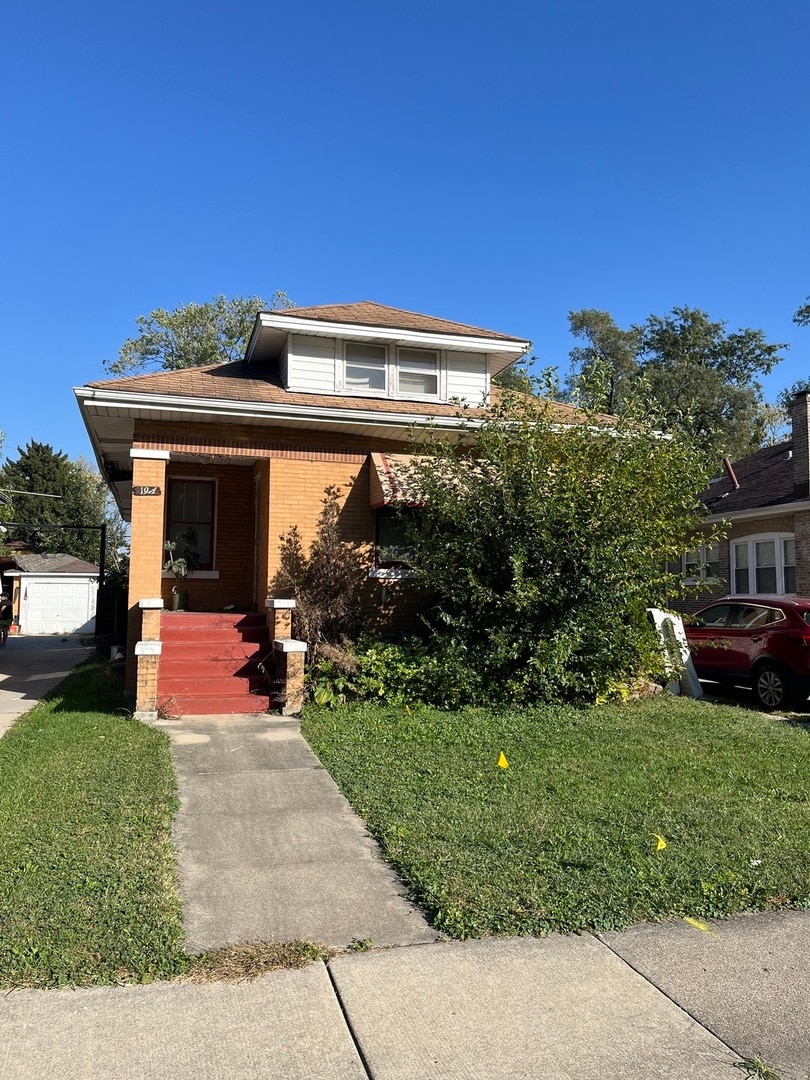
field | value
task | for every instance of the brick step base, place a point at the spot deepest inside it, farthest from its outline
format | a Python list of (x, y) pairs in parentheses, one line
[(212, 705)]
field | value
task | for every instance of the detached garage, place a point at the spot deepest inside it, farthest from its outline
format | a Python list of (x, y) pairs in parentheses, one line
[(53, 594)]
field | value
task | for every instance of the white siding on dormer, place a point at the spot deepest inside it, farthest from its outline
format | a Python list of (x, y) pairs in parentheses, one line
[(311, 364), (467, 377)]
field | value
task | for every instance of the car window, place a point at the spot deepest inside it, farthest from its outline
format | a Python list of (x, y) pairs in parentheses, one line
[(806, 616), (717, 615), (752, 616)]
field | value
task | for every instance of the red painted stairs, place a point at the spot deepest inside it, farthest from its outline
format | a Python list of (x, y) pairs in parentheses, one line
[(209, 663)]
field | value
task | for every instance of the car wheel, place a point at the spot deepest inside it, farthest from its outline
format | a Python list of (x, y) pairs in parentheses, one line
[(771, 687)]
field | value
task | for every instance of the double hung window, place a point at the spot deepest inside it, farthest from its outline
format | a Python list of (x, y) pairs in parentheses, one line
[(366, 367), (764, 564), (393, 372), (418, 371), (702, 563), (191, 513)]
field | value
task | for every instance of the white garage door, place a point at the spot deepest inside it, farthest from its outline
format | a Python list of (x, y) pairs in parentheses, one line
[(53, 606)]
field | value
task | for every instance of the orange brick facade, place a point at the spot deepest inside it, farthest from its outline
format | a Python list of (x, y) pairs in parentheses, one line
[(263, 486)]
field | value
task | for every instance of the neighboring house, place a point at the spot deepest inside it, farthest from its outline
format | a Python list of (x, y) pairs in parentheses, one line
[(53, 594), (766, 499), (243, 451)]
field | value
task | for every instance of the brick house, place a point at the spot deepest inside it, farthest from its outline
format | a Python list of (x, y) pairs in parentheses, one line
[(766, 499), (242, 451)]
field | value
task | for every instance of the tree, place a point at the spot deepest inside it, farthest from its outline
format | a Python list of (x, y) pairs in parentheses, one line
[(544, 544), (601, 369), (516, 378), (192, 335), (697, 377), (802, 315), (40, 472)]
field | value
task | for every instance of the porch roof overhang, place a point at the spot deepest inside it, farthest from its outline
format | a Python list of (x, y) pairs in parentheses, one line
[(110, 415), (390, 481)]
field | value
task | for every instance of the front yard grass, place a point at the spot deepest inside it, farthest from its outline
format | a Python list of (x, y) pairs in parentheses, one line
[(88, 884), (605, 816)]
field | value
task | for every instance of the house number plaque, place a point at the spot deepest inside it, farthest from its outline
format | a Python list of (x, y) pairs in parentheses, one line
[(142, 489)]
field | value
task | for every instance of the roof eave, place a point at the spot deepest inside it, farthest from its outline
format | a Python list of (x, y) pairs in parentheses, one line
[(502, 352)]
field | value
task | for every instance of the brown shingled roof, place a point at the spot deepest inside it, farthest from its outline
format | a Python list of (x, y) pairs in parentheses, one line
[(369, 313), (239, 381)]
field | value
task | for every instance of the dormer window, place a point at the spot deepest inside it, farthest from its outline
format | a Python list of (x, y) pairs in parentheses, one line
[(366, 367), (418, 372)]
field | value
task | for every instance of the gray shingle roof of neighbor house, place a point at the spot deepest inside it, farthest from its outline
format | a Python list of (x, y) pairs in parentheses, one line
[(370, 313), (765, 479), (53, 563)]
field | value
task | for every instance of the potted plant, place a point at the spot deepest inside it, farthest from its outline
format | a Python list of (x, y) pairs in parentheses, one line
[(182, 558)]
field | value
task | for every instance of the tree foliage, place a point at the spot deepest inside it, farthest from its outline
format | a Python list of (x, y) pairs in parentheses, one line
[(40, 471), (697, 376), (802, 314), (325, 583), (193, 334), (544, 545)]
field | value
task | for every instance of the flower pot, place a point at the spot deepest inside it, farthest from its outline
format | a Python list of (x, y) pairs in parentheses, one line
[(179, 599)]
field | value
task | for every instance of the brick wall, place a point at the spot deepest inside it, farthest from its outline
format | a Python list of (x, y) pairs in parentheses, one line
[(802, 533), (800, 420), (290, 473)]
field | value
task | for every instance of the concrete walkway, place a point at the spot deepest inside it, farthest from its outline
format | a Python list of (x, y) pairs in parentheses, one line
[(269, 849), (30, 667), (560, 1008)]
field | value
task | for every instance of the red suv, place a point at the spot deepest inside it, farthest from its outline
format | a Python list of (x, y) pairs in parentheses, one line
[(754, 641)]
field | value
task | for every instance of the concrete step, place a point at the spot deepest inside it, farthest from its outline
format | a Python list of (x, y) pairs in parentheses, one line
[(216, 652), (199, 619), (211, 685), (194, 670), (214, 634)]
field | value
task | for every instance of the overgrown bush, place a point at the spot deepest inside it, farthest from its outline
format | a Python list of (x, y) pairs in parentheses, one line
[(545, 540), (325, 583)]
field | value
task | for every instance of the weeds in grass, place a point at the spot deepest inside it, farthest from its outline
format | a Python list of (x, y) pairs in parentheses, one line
[(756, 1069), (242, 963)]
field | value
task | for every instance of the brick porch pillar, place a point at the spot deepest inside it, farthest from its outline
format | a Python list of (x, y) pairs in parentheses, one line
[(146, 536)]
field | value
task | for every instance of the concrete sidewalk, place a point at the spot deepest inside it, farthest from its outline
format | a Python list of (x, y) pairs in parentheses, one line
[(30, 667), (560, 1008), (269, 849)]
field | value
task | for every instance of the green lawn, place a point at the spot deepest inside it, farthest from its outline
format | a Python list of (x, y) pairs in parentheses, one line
[(88, 885), (566, 838)]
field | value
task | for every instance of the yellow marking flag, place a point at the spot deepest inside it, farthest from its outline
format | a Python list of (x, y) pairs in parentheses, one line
[(661, 842), (502, 762)]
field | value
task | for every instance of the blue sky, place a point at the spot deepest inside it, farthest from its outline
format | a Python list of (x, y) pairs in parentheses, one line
[(498, 165)]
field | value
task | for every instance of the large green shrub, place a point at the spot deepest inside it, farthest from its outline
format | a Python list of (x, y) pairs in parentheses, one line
[(544, 541)]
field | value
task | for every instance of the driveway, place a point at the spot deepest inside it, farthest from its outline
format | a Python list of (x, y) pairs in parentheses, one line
[(30, 667)]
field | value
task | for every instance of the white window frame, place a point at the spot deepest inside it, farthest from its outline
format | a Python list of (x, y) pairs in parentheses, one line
[(751, 541), (362, 391), (703, 561), (392, 391), (438, 374)]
